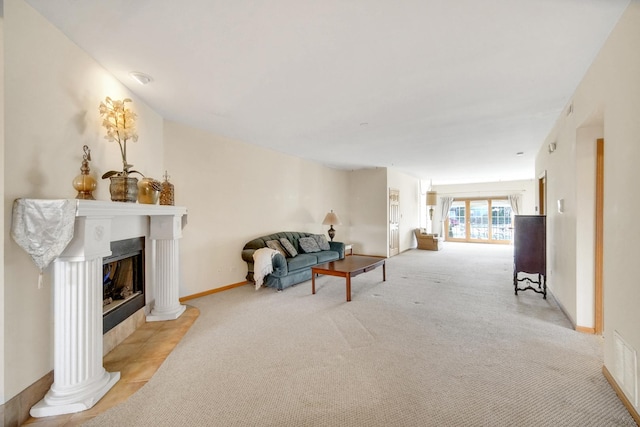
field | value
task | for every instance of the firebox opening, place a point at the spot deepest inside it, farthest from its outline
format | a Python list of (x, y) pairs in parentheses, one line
[(123, 281)]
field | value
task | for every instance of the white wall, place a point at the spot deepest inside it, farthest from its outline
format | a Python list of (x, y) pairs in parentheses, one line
[(235, 192), (526, 189), (53, 89), (608, 96)]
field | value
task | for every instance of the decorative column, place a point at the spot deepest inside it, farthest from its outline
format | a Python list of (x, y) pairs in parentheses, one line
[(80, 380), (166, 230)]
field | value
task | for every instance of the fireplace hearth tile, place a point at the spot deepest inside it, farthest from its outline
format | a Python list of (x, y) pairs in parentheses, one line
[(140, 337), (154, 350), (122, 353), (141, 370)]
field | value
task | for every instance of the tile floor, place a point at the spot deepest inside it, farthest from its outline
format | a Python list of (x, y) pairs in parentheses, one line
[(137, 358)]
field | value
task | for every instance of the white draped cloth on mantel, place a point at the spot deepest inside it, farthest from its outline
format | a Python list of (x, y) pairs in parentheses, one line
[(43, 228)]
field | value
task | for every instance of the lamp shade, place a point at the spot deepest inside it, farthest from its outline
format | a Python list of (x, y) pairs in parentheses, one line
[(432, 198), (331, 219)]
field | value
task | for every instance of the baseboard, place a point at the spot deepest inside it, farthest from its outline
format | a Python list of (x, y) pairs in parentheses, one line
[(577, 328), (213, 291), (564, 311), (621, 395), (16, 411)]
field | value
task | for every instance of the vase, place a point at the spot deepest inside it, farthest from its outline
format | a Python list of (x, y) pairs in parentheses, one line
[(148, 192), (124, 189), (167, 192), (85, 183)]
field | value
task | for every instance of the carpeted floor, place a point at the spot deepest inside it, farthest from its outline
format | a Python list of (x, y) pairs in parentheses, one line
[(443, 342)]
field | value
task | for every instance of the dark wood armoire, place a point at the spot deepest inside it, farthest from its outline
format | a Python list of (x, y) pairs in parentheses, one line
[(530, 253)]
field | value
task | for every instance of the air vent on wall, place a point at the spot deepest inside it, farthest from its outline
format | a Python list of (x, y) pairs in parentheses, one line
[(625, 367)]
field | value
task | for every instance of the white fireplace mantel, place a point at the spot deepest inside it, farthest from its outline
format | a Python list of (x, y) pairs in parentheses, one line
[(80, 379)]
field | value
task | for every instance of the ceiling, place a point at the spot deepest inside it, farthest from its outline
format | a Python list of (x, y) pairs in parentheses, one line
[(447, 91)]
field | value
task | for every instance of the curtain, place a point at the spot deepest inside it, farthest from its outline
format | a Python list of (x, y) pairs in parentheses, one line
[(445, 205), (514, 201)]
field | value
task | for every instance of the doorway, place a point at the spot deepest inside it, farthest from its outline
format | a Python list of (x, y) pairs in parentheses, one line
[(542, 194), (394, 222)]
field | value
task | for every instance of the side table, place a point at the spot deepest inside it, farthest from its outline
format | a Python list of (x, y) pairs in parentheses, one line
[(348, 249)]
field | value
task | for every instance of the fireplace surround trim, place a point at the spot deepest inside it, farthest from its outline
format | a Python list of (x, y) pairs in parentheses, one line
[(80, 379)]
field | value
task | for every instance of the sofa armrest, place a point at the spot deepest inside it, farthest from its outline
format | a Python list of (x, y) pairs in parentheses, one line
[(279, 262), (280, 267), (247, 255), (338, 247)]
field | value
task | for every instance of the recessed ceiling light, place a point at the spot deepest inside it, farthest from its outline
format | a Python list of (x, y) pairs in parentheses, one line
[(141, 78), (364, 124), (520, 153)]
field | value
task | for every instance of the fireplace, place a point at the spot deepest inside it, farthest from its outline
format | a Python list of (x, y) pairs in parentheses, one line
[(152, 234), (123, 282)]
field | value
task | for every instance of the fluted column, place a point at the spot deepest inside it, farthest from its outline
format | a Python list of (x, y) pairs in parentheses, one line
[(80, 380), (166, 230)]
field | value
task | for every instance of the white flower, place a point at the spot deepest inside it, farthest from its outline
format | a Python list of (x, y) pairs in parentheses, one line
[(120, 123)]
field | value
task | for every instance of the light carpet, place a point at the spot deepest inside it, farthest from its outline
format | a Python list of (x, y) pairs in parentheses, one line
[(443, 342)]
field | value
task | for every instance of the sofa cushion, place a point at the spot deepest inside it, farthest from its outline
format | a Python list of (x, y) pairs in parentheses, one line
[(301, 261), (275, 244), (322, 242), (288, 247), (326, 256), (308, 245)]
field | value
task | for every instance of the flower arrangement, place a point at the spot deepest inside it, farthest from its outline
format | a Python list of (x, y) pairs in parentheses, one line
[(120, 123)]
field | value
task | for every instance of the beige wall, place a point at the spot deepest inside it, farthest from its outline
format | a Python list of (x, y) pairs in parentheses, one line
[(369, 209), (409, 206), (52, 91), (235, 192), (561, 173), (2, 206), (607, 98), (585, 224), (368, 206)]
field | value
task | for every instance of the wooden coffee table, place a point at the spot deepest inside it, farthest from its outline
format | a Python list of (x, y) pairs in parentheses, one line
[(348, 267)]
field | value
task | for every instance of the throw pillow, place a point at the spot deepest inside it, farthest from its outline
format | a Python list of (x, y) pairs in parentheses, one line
[(308, 245), (288, 247), (321, 240), (274, 244)]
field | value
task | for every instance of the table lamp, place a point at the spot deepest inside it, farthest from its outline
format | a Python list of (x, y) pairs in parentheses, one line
[(331, 219)]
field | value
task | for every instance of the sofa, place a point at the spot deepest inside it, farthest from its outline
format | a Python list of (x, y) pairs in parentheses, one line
[(430, 242), (289, 270)]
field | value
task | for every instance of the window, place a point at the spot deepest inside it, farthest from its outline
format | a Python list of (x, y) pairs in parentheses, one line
[(480, 220)]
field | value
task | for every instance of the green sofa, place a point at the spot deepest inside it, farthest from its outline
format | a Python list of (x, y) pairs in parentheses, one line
[(288, 271)]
